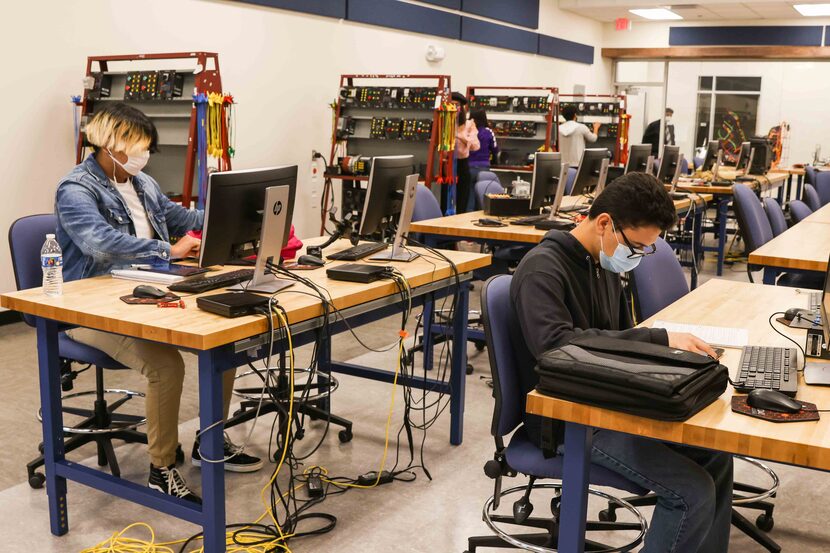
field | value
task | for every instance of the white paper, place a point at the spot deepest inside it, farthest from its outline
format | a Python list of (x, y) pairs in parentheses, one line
[(146, 276), (723, 336)]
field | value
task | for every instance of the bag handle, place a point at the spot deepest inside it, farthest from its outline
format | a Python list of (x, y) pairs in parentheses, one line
[(635, 348)]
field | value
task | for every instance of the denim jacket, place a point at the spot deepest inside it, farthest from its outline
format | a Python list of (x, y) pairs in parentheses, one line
[(96, 230)]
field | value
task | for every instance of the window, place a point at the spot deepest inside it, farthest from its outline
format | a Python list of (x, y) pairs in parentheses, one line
[(727, 110)]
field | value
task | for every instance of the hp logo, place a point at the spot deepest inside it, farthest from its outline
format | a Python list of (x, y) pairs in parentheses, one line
[(277, 208)]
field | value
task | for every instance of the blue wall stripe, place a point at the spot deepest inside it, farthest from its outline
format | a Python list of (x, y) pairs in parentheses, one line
[(407, 17), (518, 12), (454, 4), (329, 8), (796, 35), (827, 36), (491, 34), (565, 49)]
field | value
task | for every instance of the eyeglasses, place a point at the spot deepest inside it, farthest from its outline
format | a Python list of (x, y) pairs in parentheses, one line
[(637, 252)]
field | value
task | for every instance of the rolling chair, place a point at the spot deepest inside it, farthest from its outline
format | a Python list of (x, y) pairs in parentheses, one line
[(775, 215), (757, 231), (697, 162), (101, 424), (569, 183), (810, 175), (822, 186), (811, 197), (521, 455), (657, 282), (799, 210)]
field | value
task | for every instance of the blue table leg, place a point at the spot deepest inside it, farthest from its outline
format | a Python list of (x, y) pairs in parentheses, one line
[(213, 474), (324, 367), (781, 194), (697, 243), (770, 275), (799, 184), (723, 210), (458, 374), (428, 319), (50, 401), (575, 480)]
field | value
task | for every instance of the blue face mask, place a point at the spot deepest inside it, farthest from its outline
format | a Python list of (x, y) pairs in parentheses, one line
[(619, 262)]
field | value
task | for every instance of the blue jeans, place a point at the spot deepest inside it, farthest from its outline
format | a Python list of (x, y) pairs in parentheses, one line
[(693, 487)]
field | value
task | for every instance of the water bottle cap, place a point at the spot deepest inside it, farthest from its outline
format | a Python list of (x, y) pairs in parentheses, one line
[(50, 236)]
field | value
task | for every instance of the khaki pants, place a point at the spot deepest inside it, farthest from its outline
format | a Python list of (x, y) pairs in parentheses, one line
[(163, 367)]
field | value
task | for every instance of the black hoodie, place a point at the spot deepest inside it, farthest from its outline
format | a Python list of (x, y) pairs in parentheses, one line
[(559, 292)]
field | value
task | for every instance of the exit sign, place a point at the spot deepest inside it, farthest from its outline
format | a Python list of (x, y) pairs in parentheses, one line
[(623, 24)]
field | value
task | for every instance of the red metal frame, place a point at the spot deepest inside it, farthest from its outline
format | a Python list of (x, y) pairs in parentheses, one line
[(621, 146), (442, 91), (551, 119), (207, 80)]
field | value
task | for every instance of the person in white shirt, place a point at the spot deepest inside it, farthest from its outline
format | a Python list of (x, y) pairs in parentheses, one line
[(573, 136)]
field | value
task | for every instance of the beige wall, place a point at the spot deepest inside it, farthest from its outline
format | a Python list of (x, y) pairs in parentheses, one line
[(282, 67)]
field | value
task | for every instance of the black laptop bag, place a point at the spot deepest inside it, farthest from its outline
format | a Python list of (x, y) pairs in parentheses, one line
[(639, 378)]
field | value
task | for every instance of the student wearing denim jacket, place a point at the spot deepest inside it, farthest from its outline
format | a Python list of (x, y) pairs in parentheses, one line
[(110, 216)]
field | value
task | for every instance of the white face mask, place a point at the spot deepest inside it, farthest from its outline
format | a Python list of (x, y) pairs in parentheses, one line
[(134, 164), (668, 119)]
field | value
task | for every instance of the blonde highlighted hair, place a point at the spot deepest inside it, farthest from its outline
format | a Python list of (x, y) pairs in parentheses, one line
[(121, 128)]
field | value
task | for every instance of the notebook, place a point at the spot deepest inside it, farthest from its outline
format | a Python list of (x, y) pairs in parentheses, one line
[(724, 336)]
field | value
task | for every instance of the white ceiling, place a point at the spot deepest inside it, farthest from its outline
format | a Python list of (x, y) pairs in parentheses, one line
[(690, 10)]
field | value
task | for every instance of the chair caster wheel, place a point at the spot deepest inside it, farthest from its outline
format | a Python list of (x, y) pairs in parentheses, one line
[(179, 455), (299, 434), (469, 369), (606, 515), (41, 448), (764, 522), (480, 346), (345, 436), (36, 480)]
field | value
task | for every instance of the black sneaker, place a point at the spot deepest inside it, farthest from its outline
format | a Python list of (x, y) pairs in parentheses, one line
[(168, 480), (236, 460)]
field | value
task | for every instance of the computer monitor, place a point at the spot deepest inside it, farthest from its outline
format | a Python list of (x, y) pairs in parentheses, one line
[(761, 156), (385, 193), (743, 157), (818, 340), (711, 158), (592, 172), (668, 164), (676, 178), (249, 212), (548, 174), (640, 159), (399, 251)]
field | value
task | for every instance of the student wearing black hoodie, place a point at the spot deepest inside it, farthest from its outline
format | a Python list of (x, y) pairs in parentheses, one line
[(569, 285)]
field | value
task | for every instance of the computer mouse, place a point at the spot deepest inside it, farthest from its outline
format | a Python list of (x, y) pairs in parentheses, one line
[(146, 291), (771, 400), (310, 260), (485, 222), (793, 313)]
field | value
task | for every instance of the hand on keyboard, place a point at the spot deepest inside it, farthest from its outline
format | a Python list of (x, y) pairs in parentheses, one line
[(690, 342)]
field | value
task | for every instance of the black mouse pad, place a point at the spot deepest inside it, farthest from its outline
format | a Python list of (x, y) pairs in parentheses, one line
[(739, 405), (132, 300)]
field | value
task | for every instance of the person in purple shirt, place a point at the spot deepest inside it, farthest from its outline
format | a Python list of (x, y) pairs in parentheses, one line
[(480, 159)]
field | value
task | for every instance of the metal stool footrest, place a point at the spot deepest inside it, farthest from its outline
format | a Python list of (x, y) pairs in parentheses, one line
[(324, 389), (767, 493), (486, 515), (114, 426)]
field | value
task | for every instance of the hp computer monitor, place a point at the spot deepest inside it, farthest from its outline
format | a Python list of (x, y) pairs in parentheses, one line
[(640, 159), (668, 164), (399, 252), (761, 157), (548, 173), (743, 157), (592, 172), (385, 193), (234, 211), (711, 158)]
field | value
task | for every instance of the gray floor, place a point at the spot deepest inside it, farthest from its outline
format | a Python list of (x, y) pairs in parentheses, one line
[(423, 515)]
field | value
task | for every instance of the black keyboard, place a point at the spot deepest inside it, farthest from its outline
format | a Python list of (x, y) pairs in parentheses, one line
[(768, 368), (358, 252), (205, 284), (529, 221), (572, 208), (678, 195)]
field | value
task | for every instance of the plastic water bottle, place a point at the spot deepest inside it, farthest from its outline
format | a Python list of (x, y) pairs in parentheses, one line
[(51, 260)]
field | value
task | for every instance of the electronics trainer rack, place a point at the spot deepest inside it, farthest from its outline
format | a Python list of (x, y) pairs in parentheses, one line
[(610, 111)]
